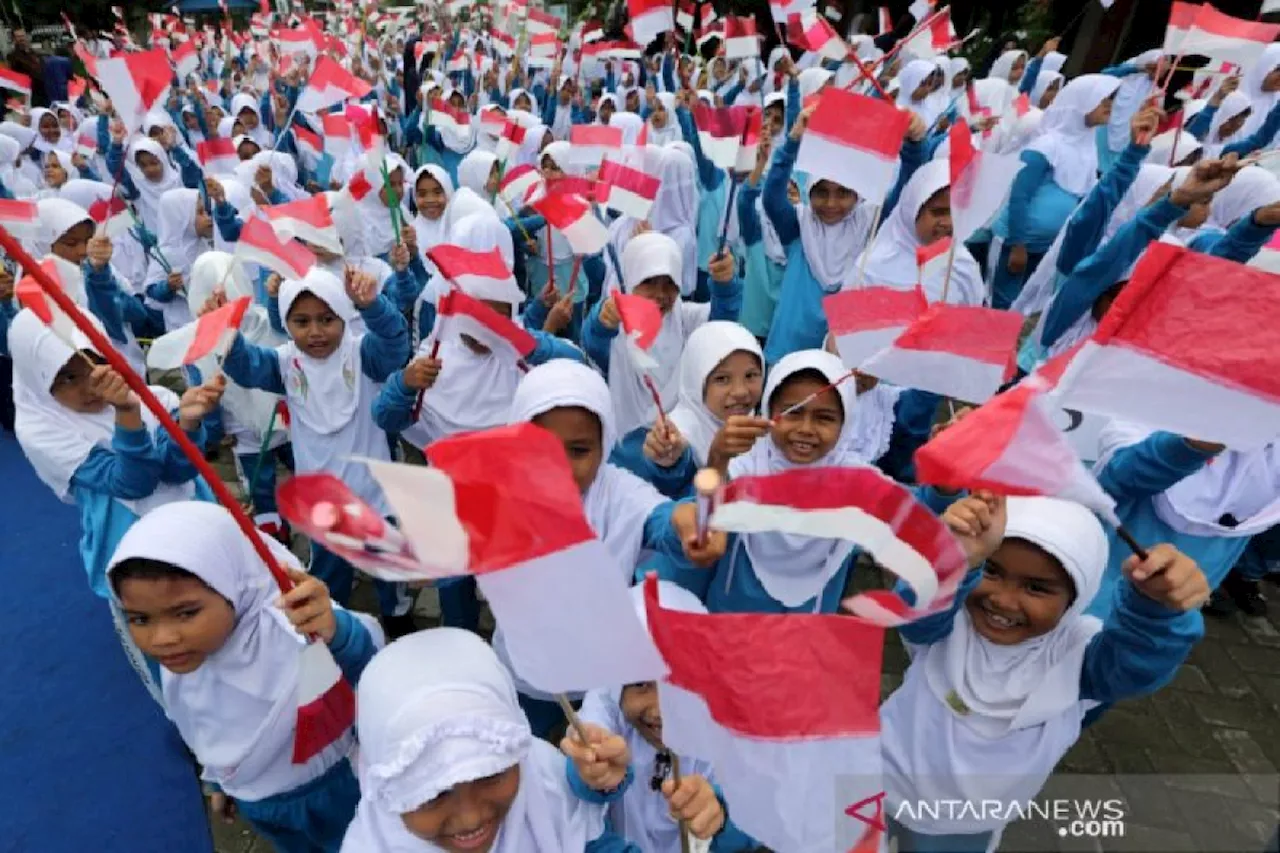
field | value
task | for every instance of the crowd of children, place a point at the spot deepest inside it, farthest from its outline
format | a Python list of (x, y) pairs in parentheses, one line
[(1055, 620)]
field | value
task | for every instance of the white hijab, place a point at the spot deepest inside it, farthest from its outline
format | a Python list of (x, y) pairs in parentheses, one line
[(832, 250), (432, 232), (1065, 140), (710, 344), (323, 393), (892, 258), (1232, 105), (794, 569), (56, 440), (379, 234), (149, 193), (474, 171), (1251, 188), (1132, 92), (1262, 102), (1015, 687), (670, 132), (909, 79), (237, 712), (436, 709)]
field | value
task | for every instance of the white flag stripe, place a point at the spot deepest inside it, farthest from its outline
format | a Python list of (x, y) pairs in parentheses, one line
[(939, 372)]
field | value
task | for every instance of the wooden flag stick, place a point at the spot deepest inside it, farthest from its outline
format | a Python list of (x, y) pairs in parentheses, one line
[(675, 777), (951, 262), (575, 722)]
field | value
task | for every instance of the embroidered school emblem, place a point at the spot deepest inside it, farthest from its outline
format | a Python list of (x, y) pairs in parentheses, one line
[(957, 704), (298, 379)]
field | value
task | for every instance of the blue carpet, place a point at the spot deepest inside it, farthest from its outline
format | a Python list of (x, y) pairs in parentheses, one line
[(89, 761)]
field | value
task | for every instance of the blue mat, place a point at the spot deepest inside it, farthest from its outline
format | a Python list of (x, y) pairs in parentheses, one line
[(87, 759)]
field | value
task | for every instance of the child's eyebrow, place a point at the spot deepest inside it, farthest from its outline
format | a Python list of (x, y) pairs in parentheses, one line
[(184, 605)]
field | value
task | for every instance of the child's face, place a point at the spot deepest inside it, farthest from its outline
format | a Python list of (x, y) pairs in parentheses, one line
[(314, 327), (396, 180), (633, 101), (773, 119), (639, 706), (49, 128), (831, 202), (54, 175), (606, 110), (73, 245), (522, 102), (64, 119), (933, 222), (1101, 114), (960, 80), (466, 818), (580, 432), (190, 121), (176, 620), (1023, 594), (1050, 93), (71, 390), (457, 101), (246, 150), (204, 222), (659, 289), (810, 432), (429, 197), (1018, 69), (551, 170), (152, 168), (1233, 124), (247, 118), (495, 180), (735, 386)]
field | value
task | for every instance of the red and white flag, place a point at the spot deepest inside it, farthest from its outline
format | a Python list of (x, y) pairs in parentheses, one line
[(641, 321), (731, 697), (326, 703), (31, 295), (466, 315), (560, 600), (541, 22), (483, 275), (1181, 349), (337, 134), (867, 320), (866, 508), (518, 184), (932, 259), (1204, 31), (573, 217), (293, 41), (886, 20), (980, 182), (573, 185), (459, 62), (15, 82), (729, 136), (211, 334), (958, 351), (217, 155), (186, 60), (741, 41), (258, 244), (510, 140), (936, 36), (649, 19), (544, 46), (442, 114), (307, 219), (87, 138), (310, 144), (715, 30), (328, 85), (135, 82), (854, 141), (812, 32), (20, 218), (1011, 446), (629, 191), (601, 50), (503, 43), (591, 142)]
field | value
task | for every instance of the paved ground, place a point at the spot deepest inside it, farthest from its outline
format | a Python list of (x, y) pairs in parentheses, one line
[(1209, 743)]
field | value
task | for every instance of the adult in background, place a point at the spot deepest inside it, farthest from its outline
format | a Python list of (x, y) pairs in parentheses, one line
[(26, 61)]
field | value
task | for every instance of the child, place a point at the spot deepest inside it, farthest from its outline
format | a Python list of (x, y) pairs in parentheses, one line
[(447, 760), (777, 572), (200, 601), (628, 515), (653, 267), (91, 441), (330, 377), (186, 232), (432, 192), (1003, 679), (646, 815), (721, 382)]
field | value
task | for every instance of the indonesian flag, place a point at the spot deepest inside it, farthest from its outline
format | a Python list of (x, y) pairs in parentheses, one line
[(330, 84), (714, 30), (886, 20), (510, 140), (935, 36), (217, 155), (741, 41), (31, 295), (465, 315), (20, 218), (544, 46), (810, 31), (135, 83), (612, 50), (932, 259), (186, 60), (337, 134), (210, 334), (560, 599), (460, 61), (649, 19), (1205, 31), (503, 43), (110, 211), (518, 184), (641, 321), (867, 320), (572, 216), (1011, 446), (572, 185), (307, 219), (865, 507), (1182, 349), (782, 10), (442, 114), (758, 695), (959, 351), (359, 185), (310, 145), (592, 31), (326, 703), (980, 182), (541, 22), (591, 142), (291, 41), (854, 141), (259, 244), (483, 275), (724, 133), (629, 191)]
